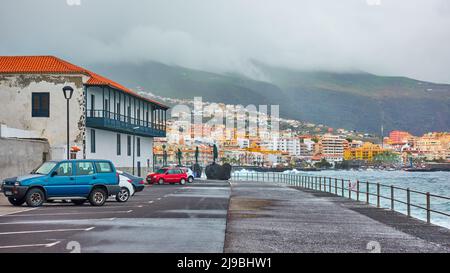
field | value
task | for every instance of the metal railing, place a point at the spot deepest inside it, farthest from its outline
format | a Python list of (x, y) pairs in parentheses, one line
[(368, 192), (125, 119)]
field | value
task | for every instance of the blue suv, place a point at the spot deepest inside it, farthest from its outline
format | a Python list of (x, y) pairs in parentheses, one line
[(75, 180)]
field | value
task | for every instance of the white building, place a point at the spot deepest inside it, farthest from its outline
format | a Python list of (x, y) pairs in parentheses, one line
[(105, 116), (290, 145)]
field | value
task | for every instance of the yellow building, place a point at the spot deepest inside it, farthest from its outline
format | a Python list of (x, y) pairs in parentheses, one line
[(366, 152)]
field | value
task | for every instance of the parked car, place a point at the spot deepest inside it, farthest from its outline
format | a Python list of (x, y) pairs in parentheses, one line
[(137, 182), (129, 185), (168, 175), (190, 174), (75, 180)]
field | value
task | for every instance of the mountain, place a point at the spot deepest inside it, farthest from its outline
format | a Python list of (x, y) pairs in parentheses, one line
[(356, 101)]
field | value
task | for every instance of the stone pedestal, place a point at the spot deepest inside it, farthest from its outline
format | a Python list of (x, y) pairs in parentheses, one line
[(218, 172)]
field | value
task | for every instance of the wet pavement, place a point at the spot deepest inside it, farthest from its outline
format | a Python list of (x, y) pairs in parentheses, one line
[(218, 216), (276, 218), (162, 218)]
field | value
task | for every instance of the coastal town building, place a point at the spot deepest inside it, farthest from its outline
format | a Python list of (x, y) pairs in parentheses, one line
[(367, 152), (433, 146), (107, 120), (332, 147)]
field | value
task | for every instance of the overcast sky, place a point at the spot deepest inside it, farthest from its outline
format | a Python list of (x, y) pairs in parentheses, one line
[(387, 37)]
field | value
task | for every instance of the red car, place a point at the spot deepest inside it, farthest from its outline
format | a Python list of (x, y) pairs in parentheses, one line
[(168, 175)]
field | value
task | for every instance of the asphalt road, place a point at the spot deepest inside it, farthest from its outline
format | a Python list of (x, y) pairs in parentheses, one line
[(216, 217), (162, 218)]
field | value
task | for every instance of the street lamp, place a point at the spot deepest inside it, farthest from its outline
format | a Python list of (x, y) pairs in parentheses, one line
[(134, 147), (68, 92)]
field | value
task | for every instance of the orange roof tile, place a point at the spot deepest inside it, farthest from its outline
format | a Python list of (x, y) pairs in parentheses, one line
[(51, 65)]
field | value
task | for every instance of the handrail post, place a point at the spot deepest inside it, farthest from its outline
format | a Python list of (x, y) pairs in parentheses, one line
[(349, 189), (335, 186), (329, 184), (367, 193), (378, 195), (392, 198), (357, 190), (342, 187), (408, 202), (428, 208), (320, 183)]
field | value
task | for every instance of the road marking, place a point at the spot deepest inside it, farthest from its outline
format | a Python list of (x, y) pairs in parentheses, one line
[(140, 206), (158, 199), (150, 202), (50, 222), (15, 212), (46, 231), (33, 245), (66, 213)]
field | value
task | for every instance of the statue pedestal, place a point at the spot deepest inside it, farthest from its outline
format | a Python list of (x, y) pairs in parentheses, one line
[(218, 172)]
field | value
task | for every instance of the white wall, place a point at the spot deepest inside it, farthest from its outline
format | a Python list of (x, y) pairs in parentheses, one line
[(106, 143)]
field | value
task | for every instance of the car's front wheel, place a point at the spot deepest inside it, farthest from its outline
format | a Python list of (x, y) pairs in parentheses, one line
[(190, 179), (16, 202), (35, 198), (98, 197), (123, 195), (182, 181)]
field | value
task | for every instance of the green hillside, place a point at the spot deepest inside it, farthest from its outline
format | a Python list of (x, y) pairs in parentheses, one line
[(358, 101)]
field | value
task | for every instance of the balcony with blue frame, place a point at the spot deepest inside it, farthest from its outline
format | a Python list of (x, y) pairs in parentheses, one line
[(110, 121)]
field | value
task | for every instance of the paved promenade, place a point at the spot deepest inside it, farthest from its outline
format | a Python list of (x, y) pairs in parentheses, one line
[(271, 218), (217, 216)]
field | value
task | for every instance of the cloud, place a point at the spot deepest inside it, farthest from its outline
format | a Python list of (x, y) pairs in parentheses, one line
[(396, 37)]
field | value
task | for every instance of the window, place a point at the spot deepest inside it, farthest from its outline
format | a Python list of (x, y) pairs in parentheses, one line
[(119, 148), (45, 168), (84, 168), (64, 169), (93, 141), (129, 145), (138, 146), (40, 105), (103, 167)]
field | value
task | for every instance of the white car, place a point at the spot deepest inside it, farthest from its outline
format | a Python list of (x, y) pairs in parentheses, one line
[(190, 174), (126, 188)]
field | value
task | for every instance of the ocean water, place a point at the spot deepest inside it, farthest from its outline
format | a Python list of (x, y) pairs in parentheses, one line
[(437, 183)]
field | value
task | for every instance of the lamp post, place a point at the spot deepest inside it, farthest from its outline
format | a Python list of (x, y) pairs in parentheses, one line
[(68, 92), (134, 147)]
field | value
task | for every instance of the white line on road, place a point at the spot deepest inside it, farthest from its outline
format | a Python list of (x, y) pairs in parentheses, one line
[(33, 245), (66, 213), (15, 212), (46, 231), (50, 222), (150, 202)]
